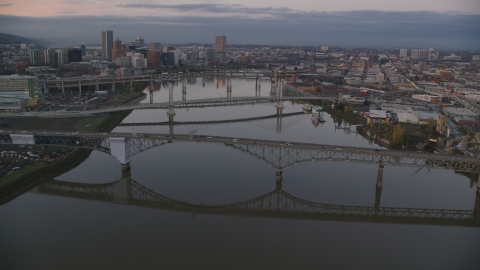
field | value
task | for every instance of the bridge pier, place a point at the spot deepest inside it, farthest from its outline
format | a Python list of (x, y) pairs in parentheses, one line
[(476, 208), (478, 184), (279, 119), (257, 86), (380, 176), (278, 180), (151, 83), (378, 195), (113, 85), (184, 88), (131, 83), (97, 85), (122, 188), (63, 88), (46, 152), (229, 87), (80, 87)]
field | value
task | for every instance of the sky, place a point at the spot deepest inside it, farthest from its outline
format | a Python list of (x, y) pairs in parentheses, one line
[(366, 23)]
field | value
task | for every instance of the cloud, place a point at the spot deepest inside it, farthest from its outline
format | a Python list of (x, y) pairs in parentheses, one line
[(421, 29), (5, 5)]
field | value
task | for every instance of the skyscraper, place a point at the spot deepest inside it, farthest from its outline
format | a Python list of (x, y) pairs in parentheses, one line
[(117, 50), (50, 57), (153, 58), (35, 57), (220, 48), (403, 52), (155, 46), (107, 45)]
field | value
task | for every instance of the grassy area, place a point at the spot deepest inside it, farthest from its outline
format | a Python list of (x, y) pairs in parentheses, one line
[(125, 98), (29, 176), (25, 170), (90, 123)]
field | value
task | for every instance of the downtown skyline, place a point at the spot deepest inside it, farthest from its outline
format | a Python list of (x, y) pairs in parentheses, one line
[(439, 24)]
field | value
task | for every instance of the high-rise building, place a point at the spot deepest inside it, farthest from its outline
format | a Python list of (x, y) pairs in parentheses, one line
[(220, 44), (431, 51), (153, 58), (168, 59), (117, 50), (74, 55), (50, 57), (141, 41), (139, 61), (62, 57), (107, 45), (422, 54), (403, 53), (414, 54), (83, 49), (155, 46), (35, 57), (209, 55), (220, 49), (191, 58)]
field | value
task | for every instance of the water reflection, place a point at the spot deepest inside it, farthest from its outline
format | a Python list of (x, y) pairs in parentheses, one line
[(274, 204)]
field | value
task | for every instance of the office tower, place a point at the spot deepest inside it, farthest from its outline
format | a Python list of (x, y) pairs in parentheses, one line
[(191, 58), (431, 51), (107, 45), (35, 57), (209, 55), (422, 54), (414, 54), (49, 57), (153, 58), (117, 50), (155, 46), (74, 55), (220, 49), (403, 52), (168, 59), (83, 49)]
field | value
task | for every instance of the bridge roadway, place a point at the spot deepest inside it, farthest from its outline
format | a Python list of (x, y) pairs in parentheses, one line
[(277, 154), (198, 103), (275, 204)]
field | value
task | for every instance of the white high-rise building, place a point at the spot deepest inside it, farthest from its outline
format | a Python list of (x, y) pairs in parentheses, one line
[(138, 60), (403, 52), (414, 54)]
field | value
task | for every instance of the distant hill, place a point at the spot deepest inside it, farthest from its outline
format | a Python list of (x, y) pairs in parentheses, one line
[(39, 42)]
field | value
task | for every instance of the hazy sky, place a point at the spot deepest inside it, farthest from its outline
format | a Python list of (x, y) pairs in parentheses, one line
[(404, 23)]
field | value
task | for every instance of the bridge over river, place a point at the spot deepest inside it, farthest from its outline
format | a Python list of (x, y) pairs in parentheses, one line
[(275, 204), (277, 154)]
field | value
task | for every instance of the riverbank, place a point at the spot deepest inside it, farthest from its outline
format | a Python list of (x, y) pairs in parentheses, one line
[(24, 179)]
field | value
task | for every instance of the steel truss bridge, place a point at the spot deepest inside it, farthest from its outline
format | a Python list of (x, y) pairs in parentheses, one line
[(278, 155), (275, 204)]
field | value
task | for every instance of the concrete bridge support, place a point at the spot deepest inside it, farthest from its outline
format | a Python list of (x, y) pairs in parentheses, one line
[(378, 195), (80, 87), (131, 83), (478, 184), (63, 88), (184, 88), (46, 152), (229, 87), (151, 83), (122, 188), (257, 86), (380, 176), (113, 85), (97, 86), (279, 120)]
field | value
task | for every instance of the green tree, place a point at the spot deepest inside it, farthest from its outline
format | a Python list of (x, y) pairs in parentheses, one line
[(397, 135), (431, 123)]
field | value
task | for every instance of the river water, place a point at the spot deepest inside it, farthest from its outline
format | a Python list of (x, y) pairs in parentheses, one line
[(44, 231)]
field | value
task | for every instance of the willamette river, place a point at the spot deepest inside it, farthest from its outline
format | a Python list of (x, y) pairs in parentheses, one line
[(62, 231)]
